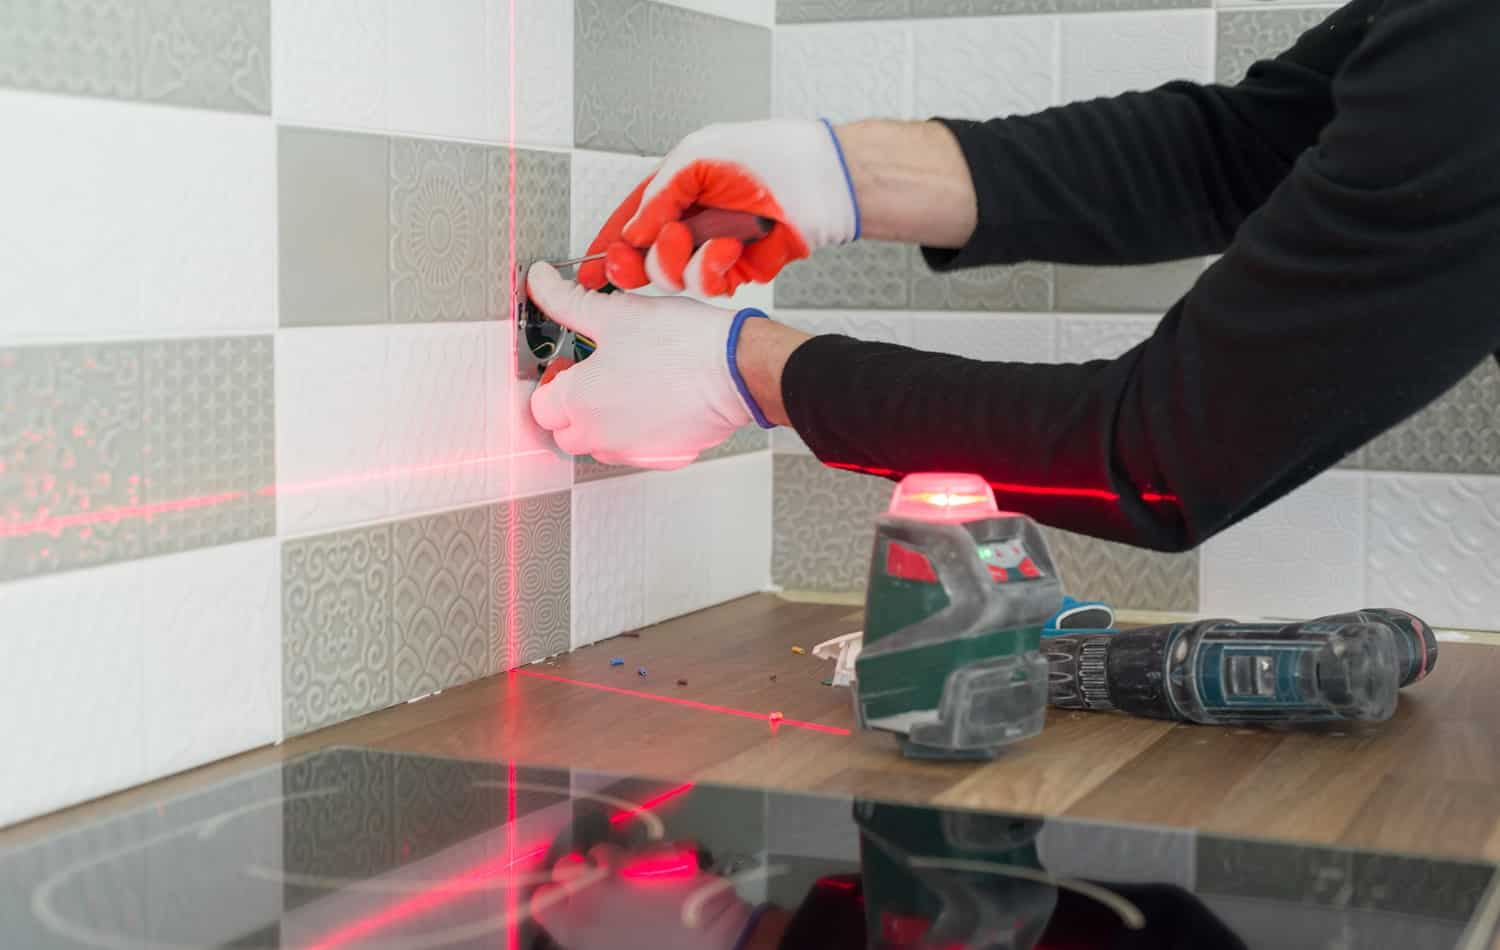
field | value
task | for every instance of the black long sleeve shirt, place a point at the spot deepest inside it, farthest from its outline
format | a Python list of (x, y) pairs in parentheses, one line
[(1353, 187)]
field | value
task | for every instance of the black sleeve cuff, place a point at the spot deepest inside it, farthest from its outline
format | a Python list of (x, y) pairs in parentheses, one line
[(987, 245)]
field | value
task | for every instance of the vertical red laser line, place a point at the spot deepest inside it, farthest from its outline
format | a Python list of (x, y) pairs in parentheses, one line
[(512, 362)]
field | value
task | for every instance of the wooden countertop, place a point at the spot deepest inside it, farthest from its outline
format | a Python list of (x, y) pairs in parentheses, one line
[(1428, 781)]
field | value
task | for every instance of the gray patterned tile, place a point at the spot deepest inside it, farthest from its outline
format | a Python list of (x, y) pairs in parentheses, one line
[(1150, 289), (210, 442), (543, 214), (610, 86), (1124, 577), (819, 11), (332, 193), (439, 231), (704, 69), (586, 468), (212, 54), (71, 457), (1457, 434), (751, 438), (1249, 35), (1024, 287), (952, 8), (82, 47), (440, 601), (337, 639), (537, 534), (863, 275), (1109, 6), (824, 525), (347, 834)]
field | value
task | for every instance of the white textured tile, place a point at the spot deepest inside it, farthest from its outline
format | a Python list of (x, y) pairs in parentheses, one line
[(880, 326), (609, 558), (998, 337), (543, 96), (435, 406), (212, 654), (446, 69), (329, 62), (71, 691), (757, 12), (980, 68), (1081, 339), (680, 539), (843, 71), (740, 559), (601, 180), (1107, 54), (522, 457), (1433, 548), (208, 259), (331, 430), (1304, 556)]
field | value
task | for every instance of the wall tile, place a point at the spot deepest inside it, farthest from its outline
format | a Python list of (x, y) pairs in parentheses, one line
[(80, 635), (844, 72), (522, 457), (1111, 54), (1081, 339), (610, 88), (330, 61), (1303, 556), (212, 654), (139, 222), (210, 420), (878, 325), (543, 94), (976, 8), (440, 601), (333, 196), (680, 541), (1457, 434), (1016, 287), (332, 432), (435, 406), (600, 181), (1249, 35), (91, 50), (440, 231), (537, 533), (813, 11), (980, 69), (609, 559), (866, 274), (1122, 576), (543, 208), (213, 54), (752, 438), (1153, 288), (824, 525), (741, 495), (703, 70), (71, 457), (1105, 6), (1011, 338), (1432, 544), (759, 12), (446, 69), (337, 637)]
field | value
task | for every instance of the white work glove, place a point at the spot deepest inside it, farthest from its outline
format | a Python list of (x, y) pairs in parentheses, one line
[(788, 172), (656, 392), (659, 900)]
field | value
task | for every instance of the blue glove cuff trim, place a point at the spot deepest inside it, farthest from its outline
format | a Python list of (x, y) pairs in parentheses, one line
[(731, 352), (838, 150)]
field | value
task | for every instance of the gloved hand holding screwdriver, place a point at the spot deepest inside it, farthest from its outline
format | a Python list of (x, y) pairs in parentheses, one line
[(1296, 347)]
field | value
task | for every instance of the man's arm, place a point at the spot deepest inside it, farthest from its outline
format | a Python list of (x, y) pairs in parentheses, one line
[(1137, 178), (1358, 293)]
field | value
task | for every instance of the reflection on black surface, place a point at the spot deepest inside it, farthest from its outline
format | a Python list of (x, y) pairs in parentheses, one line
[(356, 848)]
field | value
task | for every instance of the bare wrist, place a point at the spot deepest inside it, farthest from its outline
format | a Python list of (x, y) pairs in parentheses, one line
[(764, 348), (911, 181)]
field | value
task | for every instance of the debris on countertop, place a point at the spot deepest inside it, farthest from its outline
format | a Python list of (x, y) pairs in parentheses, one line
[(616, 661), (799, 651)]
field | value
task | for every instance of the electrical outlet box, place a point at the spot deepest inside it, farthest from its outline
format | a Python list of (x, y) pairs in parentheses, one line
[(538, 339)]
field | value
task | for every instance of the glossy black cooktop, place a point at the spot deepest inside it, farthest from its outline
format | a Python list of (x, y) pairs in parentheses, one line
[(358, 848)]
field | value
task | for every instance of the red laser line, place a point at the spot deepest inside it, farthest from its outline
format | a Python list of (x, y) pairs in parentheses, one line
[(1016, 488), (650, 803), (512, 930), (690, 703), (512, 903), (55, 524)]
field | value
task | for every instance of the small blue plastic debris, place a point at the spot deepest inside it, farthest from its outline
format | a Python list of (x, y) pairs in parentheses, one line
[(641, 671), (616, 661)]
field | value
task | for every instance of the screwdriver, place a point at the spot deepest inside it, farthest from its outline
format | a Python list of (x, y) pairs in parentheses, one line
[(704, 224)]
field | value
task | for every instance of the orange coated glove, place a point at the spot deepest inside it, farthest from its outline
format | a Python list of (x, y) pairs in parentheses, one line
[(789, 173)]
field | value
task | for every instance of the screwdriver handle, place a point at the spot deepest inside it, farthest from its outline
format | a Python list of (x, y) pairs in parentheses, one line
[(708, 223)]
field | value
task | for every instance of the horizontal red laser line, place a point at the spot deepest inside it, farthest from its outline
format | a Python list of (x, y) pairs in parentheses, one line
[(1017, 489), (56, 523), (691, 704)]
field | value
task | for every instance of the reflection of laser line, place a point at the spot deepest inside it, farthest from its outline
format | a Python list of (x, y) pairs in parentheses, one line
[(1129, 914)]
